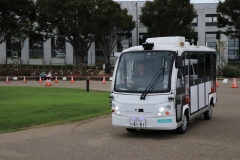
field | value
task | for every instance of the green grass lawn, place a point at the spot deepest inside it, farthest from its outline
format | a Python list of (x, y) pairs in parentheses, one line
[(25, 107)]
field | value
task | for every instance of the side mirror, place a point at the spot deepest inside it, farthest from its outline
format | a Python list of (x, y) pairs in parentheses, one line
[(179, 62)]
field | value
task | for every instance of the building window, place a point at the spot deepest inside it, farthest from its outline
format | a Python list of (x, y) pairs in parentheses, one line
[(211, 20), (233, 48), (99, 56), (35, 49), (13, 49), (58, 47), (194, 22), (76, 58), (211, 40)]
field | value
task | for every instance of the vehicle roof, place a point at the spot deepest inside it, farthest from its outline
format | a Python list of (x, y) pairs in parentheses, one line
[(172, 44)]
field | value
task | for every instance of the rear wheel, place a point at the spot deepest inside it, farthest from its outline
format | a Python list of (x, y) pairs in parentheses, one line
[(131, 130), (182, 129), (208, 114)]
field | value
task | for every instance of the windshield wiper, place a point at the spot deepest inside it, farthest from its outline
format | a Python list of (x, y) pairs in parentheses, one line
[(154, 81)]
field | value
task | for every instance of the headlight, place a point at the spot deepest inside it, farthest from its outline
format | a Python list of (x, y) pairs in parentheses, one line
[(161, 109), (164, 111), (115, 109)]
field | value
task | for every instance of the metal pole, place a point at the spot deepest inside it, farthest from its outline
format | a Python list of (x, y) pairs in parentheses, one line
[(87, 84), (91, 60), (6, 56), (137, 24), (6, 65)]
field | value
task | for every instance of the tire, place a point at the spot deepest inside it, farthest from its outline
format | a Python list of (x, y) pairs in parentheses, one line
[(208, 114), (131, 130), (182, 129)]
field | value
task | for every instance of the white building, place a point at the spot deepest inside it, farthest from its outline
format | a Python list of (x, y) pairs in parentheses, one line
[(205, 24), (62, 52)]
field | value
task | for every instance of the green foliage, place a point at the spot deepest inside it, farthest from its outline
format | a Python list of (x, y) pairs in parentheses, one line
[(47, 106), (82, 22), (228, 18), (113, 24), (27, 73), (16, 21), (231, 72), (68, 66), (168, 18), (73, 19), (37, 57)]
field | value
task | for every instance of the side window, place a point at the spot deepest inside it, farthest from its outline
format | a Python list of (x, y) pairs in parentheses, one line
[(193, 61), (185, 67), (213, 66), (201, 67), (208, 65), (180, 78)]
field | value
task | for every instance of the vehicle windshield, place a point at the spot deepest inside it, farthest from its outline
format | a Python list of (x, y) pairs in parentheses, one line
[(138, 71)]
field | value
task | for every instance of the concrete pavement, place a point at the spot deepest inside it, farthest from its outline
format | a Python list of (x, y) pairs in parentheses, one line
[(216, 139)]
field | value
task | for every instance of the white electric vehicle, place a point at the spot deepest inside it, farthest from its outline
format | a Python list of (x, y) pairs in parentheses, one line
[(180, 85)]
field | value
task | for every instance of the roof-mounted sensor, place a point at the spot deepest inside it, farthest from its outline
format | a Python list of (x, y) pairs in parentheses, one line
[(148, 46)]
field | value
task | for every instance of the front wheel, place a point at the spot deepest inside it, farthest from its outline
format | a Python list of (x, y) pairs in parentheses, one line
[(182, 129), (208, 114)]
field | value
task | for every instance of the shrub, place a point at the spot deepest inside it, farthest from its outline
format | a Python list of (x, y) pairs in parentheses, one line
[(27, 73), (231, 72), (238, 67)]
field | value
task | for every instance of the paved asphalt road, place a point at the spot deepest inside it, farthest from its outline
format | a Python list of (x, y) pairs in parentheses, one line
[(96, 139)]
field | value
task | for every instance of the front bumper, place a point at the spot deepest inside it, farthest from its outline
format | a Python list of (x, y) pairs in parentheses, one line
[(156, 123)]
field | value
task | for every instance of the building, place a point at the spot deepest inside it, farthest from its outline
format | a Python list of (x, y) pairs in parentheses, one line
[(57, 51), (205, 24)]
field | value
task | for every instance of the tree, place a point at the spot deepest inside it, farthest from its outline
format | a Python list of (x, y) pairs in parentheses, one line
[(113, 25), (221, 46), (168, 18), (73, 19), (17, 19), (229, 17)]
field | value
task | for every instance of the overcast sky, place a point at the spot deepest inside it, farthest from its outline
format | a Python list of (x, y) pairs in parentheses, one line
[(192, 1)]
